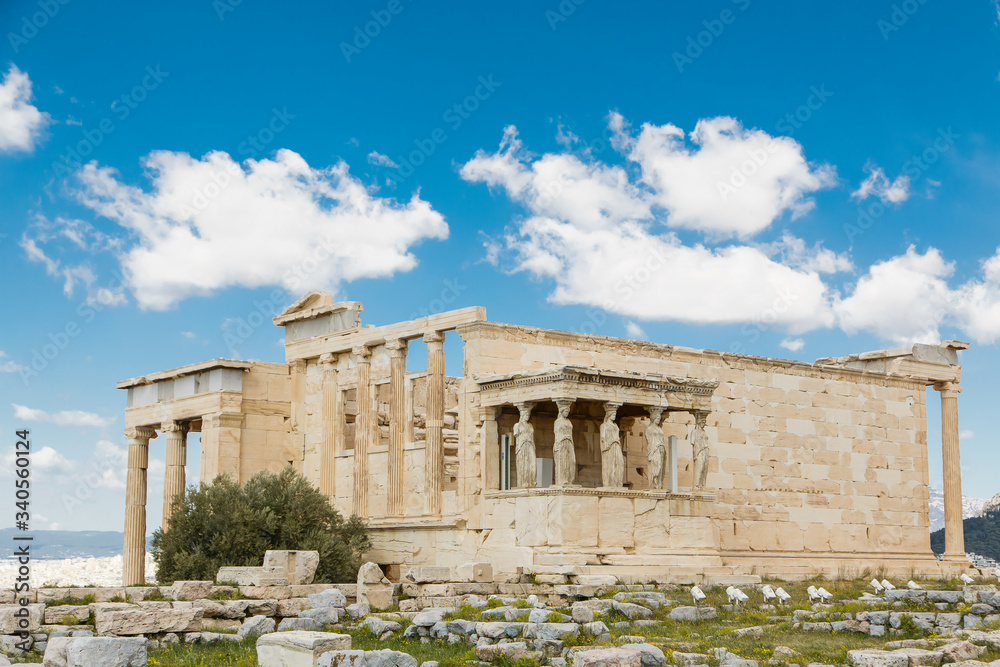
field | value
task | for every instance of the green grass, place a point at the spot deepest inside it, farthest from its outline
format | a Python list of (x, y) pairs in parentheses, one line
[(230, 654), (449, 655), (70, 600)]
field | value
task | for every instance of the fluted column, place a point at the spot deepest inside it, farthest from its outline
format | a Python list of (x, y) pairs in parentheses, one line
[(364, 430), (331, 425), (434, 445), (954, 531), (134, 559), (397, 423), (175, 435)]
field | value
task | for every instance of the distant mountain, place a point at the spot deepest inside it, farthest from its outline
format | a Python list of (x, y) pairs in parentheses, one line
[(982, 535), (52, 544), (970, 507)]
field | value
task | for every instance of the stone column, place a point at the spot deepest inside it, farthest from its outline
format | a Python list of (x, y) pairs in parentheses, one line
[(434, 445), (564, 451), (397, 423), (298, 391), (331, 425), (954, 532), (524, 447), (175, 435), (134, 559), (700, 449), (489, 448), (221, 446), (363, 431)]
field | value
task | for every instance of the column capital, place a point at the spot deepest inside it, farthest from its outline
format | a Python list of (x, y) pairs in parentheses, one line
[(328, 359), (140, 433), (434, 337), (222, 420), (525, 408), (952, 388), (655, 413), (611, 408), (362, 352), (297, 365), (173, 427), (397, 347), (700, 418), (562, 402)]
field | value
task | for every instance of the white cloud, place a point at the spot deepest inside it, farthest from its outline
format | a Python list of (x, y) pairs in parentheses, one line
[(877, 184), (21, 124), (966, 435), (904, 298), (210, 223), (600, 237), (793, 344), (62, 418), (382, 160), (45, 462), (736, 182), (8, 366), (635, 331), (190, 335), (793, 252)]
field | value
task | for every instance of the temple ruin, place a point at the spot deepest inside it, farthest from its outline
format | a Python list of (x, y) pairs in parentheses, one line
[(560, 452)]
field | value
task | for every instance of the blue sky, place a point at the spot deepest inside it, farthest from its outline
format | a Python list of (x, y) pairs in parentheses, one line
[(781, 179)]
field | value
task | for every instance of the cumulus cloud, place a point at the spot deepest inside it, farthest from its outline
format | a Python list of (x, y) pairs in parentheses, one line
[(793, 344), (601, 235), (62, 418), (45, 462), (21, 124), (635, 331), (381, 160), (877, 184), (8, 366), (723, 177), (210, 223)]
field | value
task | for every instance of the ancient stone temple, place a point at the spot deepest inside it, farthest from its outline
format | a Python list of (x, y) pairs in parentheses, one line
[(558, 451)]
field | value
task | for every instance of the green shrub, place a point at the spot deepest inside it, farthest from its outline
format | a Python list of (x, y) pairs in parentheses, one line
[(223, 523)]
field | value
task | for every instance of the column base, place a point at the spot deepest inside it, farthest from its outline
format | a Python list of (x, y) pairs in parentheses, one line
[(955, 558)]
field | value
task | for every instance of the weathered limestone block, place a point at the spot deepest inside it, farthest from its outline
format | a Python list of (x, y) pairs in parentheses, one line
[(429, 575), (332, 597), (189, 590), (148, 621), (511, 650), (306, 624), (692, 613), (475, 572), (11, 616), (67, 614), (298, 649), (251, 576), (651, 655), (299, 567), (960, 651), (93, 651), (255, 626), (373, 587), (877, 658), (380, 658), (608, 657), (919, 657)]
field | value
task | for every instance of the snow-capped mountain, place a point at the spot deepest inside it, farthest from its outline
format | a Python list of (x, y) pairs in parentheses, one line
[(970, 507)]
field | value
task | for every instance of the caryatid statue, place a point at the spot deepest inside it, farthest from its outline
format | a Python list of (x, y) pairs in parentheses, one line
[(563, 451), (612, 459), (699, 444), (524, 448), (656, 452)]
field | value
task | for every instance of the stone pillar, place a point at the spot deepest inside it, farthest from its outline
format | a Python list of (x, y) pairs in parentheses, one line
[(221, 443), (526, 461), (954, 532), (397, 423), (672, 458), (489, 447), (331, 425), (434, 445), (175, 435), (134, 559), (700, 449), (563, 449), (298, 391), (364, 430)]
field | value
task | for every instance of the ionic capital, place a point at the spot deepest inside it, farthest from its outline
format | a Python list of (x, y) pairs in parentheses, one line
[(434, 337), (297, 365), (140, 433), (397, 347), (328, 360), (525, 408), (362, 352), (173, 427), (948, 388)]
